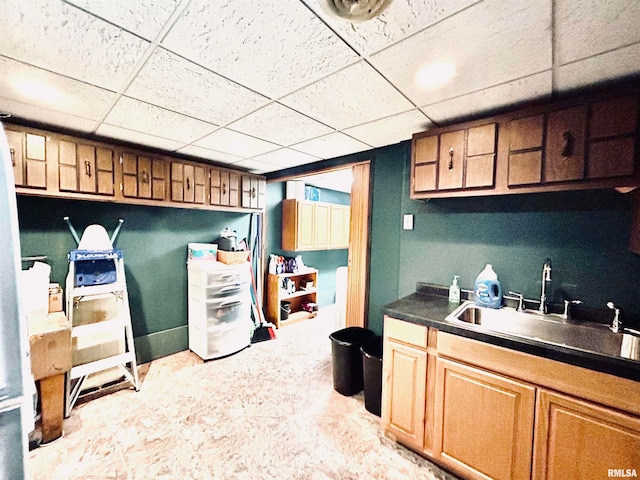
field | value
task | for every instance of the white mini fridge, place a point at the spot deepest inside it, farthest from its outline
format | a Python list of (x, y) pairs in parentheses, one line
[(219, 308)]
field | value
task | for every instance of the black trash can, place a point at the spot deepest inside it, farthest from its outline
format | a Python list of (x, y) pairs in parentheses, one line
[(347, 359), (285, 310), (372, 373)]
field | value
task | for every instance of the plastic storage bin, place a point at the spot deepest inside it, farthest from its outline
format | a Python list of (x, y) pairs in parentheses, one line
[(347, 359), (372, 374), (285, 310)]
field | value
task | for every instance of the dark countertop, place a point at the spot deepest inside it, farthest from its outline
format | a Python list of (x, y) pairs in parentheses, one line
[(429, 306)]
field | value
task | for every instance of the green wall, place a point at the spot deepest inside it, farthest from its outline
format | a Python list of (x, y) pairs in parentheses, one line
[(326, 261), (584, 233), (154, 241)]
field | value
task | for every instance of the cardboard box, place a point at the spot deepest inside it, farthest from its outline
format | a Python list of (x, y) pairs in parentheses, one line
[(55, 298), (49, 344)]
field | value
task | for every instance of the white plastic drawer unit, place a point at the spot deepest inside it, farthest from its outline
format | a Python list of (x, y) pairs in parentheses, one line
[(227, 310), (215, 292), (212, 276)]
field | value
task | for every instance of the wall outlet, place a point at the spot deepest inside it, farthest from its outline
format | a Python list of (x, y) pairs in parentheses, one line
[(407, 222)]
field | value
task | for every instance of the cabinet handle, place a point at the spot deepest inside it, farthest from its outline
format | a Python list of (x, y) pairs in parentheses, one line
[(13, 156), (145, 177), (450, 158), (567, 146), (224, 188), (253, 192), (188, 184), (87, 168)]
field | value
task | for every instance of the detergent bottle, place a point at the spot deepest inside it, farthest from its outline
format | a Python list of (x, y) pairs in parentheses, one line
[(487, 291)]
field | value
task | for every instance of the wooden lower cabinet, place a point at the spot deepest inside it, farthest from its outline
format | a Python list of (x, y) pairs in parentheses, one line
[(487, 412), (404, 394), (483, 422), (583, 441)]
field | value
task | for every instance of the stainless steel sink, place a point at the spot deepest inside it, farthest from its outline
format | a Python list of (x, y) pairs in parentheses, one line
[(548, 328)]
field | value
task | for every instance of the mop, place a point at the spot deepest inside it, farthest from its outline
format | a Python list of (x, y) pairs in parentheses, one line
[(264, 330)]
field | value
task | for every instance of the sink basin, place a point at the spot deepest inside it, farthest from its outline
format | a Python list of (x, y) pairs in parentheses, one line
[(550, 328)]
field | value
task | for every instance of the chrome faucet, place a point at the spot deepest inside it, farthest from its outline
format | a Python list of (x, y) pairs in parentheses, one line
[(546, 277), (616, 326)]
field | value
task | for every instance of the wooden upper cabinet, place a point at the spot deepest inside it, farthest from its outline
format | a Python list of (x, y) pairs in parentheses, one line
[(253, 191), (143, 177), (340, 222), (16, 142), (613, 136), (224, 187), (525, 150), (454, 160), (564, 150), (85, 168), (28, 159), (450, 160), (188, 183)]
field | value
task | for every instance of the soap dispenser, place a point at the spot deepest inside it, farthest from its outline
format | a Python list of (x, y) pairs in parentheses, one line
[(454, 290)]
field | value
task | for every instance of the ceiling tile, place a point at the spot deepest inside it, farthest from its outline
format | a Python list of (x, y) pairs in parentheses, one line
[(142, 17), (282, 45), (142, 117), (390, 130), (171, 82), (109, 131), (485, 101), (490, 43), (593, 70), (280, 124), (589, 27), (201, 152), (256, 166), (399, 20), (285, 157), (228, 141), (46, 34), (52, 91), (357, 94), (332, 145), (45, 116)]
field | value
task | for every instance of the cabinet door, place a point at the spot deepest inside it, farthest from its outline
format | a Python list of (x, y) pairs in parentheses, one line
[(480, 159), (404, 392), (189, 173), (144, 177), (67, 166), (305, 223), (583, 441), (340, 226), (612, 138), (87, 173), (16, 149), (199, 185), (451, 158), (322, 219), (234, 189), (483, 422), (253, 192), (564, 149), (36, 161), (425, 158), (525, 151), (104, 170), (129, 175), (215, 186), (158, 179), (177, 182)]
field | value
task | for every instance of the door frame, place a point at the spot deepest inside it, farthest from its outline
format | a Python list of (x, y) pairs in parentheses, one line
[(358, 282)]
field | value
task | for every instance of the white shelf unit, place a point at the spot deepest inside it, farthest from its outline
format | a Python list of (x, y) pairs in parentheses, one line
[(219, 308)]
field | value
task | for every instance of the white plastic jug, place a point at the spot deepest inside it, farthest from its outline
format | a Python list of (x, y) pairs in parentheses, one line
[(487, 291)]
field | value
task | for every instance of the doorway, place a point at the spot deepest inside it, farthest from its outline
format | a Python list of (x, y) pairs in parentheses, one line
[(353, 179)]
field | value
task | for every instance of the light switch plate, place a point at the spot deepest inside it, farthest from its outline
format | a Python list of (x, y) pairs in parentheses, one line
[(407, 222)]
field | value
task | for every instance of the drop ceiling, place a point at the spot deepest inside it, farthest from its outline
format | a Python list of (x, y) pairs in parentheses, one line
[(266, 85)]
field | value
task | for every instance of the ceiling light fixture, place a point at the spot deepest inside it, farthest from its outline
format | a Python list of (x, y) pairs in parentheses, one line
[(435, 74), (355, 10)]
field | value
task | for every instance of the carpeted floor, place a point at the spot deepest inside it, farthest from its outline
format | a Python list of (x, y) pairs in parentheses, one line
[(268, 412)]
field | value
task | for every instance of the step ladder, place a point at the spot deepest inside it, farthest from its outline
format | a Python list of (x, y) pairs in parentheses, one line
[(96, 274)]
